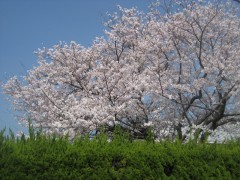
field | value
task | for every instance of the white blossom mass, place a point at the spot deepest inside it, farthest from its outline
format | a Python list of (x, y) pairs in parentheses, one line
[(175, 69)]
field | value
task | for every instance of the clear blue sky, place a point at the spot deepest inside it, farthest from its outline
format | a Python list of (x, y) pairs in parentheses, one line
[(26, 25)]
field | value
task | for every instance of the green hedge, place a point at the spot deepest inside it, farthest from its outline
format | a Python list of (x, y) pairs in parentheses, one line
[(42, 157)]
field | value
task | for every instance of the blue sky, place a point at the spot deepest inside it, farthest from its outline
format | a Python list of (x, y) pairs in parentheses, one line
[(26, 25)]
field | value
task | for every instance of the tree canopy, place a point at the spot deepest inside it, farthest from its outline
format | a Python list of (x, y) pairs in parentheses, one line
[(175, 69)]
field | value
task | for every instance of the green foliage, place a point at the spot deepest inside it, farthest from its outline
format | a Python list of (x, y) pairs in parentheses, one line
[(54, 157)]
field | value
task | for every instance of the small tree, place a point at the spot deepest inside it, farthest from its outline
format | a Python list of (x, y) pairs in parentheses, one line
[(176, 70)]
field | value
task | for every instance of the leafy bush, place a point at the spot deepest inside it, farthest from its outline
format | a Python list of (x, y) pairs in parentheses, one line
[(53, 157)]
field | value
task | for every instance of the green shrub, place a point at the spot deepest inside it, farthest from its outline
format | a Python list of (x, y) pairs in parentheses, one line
[(53, 157)]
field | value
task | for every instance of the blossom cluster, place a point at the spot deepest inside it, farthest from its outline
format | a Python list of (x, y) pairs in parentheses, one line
[(157, 69)]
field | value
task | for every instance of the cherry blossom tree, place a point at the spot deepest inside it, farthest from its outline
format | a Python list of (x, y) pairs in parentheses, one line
[(175, 69)]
